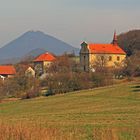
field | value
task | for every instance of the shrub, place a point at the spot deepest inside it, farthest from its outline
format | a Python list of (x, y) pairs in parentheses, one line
[(32, 93), (49, 92), (102, 79)]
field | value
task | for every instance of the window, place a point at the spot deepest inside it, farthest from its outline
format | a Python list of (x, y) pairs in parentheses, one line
[(84, 57), (84, 68), (110, 58), (118, 58), (102, 58)]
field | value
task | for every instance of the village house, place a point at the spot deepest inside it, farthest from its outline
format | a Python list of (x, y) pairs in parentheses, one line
[(42, 62), (109, 55), (7, 71), (30, 72)]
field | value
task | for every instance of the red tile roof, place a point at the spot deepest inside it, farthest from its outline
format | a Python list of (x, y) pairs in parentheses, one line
[(45, 57), (7, 70), (105, 49)]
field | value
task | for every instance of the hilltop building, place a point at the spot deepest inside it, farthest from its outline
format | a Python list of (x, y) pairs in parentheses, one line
[(42, 62), (109, 55)]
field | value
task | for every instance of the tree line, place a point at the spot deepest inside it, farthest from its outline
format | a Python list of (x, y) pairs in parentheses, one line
[(65, 75)]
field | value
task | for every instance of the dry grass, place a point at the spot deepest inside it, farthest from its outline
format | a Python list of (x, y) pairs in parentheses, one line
[(116, 134), (22, 131), (26, 132)]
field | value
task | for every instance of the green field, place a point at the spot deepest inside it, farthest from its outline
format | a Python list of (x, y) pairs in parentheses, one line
[(113, 111)]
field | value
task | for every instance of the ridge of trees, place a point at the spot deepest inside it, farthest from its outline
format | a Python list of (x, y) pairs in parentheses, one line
[(130, 41)]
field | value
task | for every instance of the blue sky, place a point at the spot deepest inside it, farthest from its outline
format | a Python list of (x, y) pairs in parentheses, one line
[(70, 20)]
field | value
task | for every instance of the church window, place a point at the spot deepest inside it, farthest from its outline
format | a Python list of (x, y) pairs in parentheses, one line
[(118, 58), (84, 68), (110, 58), (102, 58), (84, 57)]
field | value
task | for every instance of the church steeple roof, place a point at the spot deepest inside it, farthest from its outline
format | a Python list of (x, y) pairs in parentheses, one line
[(115, 40)]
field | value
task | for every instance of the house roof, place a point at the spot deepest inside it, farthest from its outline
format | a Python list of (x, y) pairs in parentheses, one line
[(45, 57), (7, 70), (105, 49)]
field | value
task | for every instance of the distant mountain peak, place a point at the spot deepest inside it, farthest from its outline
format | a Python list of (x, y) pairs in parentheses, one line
[(31, 41), (32, 32)]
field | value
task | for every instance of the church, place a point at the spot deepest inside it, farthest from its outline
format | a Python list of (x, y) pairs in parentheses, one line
[(108, 55)]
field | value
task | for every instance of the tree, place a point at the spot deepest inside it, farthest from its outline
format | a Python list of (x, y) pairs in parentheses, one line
[(132, 67), (102, 74), (130, 41), (64, 76), (19, 85)]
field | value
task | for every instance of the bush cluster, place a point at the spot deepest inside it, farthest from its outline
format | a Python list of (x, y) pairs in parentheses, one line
[(65, 75)]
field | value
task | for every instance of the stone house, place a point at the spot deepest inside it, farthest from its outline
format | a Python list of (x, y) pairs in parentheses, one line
[(42, 62)]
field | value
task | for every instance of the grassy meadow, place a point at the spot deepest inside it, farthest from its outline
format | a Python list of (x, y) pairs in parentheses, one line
[(108, 113)]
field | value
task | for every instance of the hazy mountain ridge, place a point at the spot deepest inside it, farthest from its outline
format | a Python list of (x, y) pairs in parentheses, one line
[(31, 41)]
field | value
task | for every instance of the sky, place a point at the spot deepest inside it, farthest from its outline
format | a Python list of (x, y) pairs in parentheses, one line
[(72, 21)]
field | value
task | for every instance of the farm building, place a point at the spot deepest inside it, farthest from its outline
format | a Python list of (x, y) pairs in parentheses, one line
[(42, 62), (7, 71)]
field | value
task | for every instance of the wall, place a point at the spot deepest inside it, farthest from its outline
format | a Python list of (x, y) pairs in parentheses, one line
[(97, 58)]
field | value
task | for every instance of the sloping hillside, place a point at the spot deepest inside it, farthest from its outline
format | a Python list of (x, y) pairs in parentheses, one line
[(130, 41), (109, 107)]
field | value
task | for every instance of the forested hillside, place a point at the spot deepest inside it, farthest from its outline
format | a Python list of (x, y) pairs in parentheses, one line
[(130, 41)]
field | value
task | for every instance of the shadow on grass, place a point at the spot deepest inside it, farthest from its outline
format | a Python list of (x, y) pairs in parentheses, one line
[(136, 88)]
